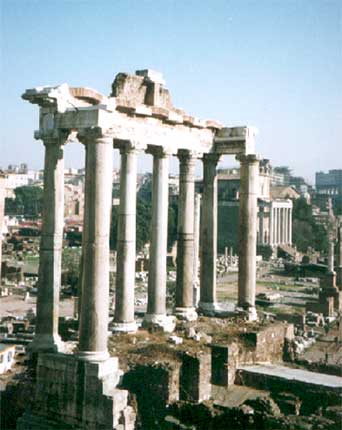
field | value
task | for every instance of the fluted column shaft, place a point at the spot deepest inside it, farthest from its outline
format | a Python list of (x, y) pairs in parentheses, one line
[(249, 175), (286, 212), (339, 265), (158, 246), (270, 227), (197, 223), (282, 225), (126, 242), (278, 227), (50, 253), (93, 331), (275, 223), (209, 234), (185, 242), (261, 226), (331, 256), (290, 227)]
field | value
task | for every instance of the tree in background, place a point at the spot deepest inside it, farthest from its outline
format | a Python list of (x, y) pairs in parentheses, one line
[(306, 231), (28, 202), (71, 258), (265, 251)]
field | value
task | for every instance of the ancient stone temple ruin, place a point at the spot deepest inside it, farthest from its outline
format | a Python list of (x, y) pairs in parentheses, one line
[(137, 117)]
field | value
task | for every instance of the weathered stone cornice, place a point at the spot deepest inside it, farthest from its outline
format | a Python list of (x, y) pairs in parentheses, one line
[(139, 110)]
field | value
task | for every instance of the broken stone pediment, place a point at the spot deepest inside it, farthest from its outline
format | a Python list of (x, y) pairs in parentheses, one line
[(145, 87), (62, 97)]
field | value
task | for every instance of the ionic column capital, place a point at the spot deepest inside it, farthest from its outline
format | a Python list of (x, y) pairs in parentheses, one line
[(159, 151), (129, 146), (95, 134), (187, 156), (211, 158), (53, 137), (248, 158)]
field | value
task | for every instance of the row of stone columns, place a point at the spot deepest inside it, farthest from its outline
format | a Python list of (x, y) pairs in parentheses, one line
[(280, 225), (94, 297)]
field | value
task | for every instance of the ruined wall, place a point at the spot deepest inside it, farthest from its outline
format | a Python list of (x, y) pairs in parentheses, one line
[(265, 345), (155, 386), (195, 376), (75, 394)]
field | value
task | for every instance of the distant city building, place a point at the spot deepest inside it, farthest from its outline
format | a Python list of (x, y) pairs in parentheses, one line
[(74, 201), (20, 176), (274, 210), (280, 176), (329, 185)]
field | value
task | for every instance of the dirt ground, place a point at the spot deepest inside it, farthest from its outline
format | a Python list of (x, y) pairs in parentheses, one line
[(17, 306), (327, 349)]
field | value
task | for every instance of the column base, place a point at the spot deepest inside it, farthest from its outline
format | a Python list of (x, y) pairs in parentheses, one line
[(124, 327), (249, 314), (92, 356), (73, 394), (196, 294), (46, 343), (187, 314), (208, 308), (166, 323)]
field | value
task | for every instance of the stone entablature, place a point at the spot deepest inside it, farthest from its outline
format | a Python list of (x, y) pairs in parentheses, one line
[(131, 113)]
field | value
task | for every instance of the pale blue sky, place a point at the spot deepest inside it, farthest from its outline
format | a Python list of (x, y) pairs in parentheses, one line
[(273, 64)]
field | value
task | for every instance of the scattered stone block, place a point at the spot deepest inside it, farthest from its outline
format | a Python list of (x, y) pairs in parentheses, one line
[(223, 364), (195, 376)]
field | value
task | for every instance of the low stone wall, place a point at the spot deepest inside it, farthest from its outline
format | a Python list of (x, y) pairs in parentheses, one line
[(155, 386), (312, 397), (263, 346), (71, 393)]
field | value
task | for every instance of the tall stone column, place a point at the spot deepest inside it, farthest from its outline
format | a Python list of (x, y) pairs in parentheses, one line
[(156, 304), (275, 228), (290, 227), (197, 223), (249, 176), (126, 241), (185, 243), (261, 225), (282, 231), (207, 304), (339, 265), (331, 255), (270, 227), (286, 226), (278, 226), (93, 330), (46, 337)]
